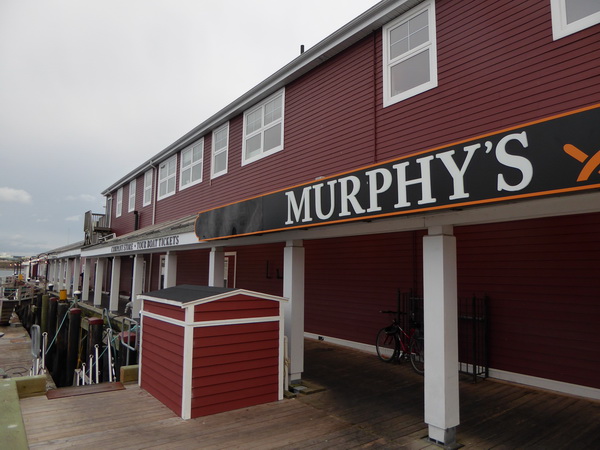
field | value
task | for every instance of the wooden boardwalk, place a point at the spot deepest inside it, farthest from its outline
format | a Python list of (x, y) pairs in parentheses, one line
[(364, 404)]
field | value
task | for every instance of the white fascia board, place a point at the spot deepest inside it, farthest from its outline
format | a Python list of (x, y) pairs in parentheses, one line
[(213, 298)]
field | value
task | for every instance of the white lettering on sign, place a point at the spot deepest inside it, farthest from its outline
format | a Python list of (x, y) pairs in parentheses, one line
[(146, 244), (344, 195)]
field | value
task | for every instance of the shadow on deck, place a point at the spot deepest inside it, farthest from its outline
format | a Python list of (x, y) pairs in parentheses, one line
[(366, 403)]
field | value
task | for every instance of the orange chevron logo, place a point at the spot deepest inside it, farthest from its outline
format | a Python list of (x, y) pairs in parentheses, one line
[(592, 163)]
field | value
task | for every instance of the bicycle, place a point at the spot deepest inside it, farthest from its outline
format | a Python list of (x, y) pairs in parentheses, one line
[(393, 343)]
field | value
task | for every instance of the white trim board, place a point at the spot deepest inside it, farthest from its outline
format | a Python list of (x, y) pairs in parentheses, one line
[(526, 380)]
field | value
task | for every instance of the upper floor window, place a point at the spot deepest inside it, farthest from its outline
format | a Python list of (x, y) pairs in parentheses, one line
[(263, 129), (220, 145), (570, 16), (132, 187), (166, 177), (119, 205), (191, 165), (410, 54), (148, 187)]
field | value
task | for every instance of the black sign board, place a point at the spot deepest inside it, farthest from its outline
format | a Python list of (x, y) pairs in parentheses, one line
[(553, 156)]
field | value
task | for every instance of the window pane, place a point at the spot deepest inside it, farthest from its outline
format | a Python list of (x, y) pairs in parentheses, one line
[(399, 40), (254, 121), (196, 172), (197, 153), (162, 188), (273, 110), (220, 139), (172, 164), (253, 146), (578, 9), (171, 185), (220, 162), (418, 30), (186, 158), (410, 73), (185, 177), (272, 137)]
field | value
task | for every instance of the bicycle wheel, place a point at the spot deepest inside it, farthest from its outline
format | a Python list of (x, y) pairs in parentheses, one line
[(417, 354), (387, 344)]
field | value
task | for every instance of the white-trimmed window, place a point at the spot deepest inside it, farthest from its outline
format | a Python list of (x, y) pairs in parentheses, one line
[(191, 165), (409, 54), (167, 172), (571, 16), (132, 187), (263, 129), (148, 187), (220, 146), (119, 205)]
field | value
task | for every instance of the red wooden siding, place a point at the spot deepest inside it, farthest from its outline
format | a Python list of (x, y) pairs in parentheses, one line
[(497, 67), (260, 268), (172, 311), (349, 280), (162, 362), (192, 267), (234, 366), (543, 281), (236, 307)]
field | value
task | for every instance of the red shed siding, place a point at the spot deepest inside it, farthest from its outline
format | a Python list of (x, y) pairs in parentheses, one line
[(543, 281), (234, 366), (349, 280), (236, 307), (172, 311), (162, 362)]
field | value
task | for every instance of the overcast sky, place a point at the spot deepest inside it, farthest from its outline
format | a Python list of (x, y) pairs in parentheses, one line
[(90, 89)]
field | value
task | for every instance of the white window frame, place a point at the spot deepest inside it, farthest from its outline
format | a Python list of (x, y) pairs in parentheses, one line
[(218, 152), (165, 179), (263, 128), (192, 164), (132, 188), (560, 27), (119, 205), (148, 188), (431, 45)]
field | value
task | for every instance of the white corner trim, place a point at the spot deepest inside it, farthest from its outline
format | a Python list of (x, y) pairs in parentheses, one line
[(188, 358), (545, 383)]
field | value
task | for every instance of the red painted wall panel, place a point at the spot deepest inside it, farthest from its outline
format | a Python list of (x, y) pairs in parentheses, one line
[(349, 280), (260, 268), (542, 279), (192, 267)]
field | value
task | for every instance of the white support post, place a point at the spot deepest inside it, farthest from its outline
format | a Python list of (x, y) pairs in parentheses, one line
[(99, 279), (441, 334), (216, 267), (85, 289), (60, 277), (293, 290), (75, 273), (51, 272), (170, 270), (68, 278), (136, 285), (115, 283)]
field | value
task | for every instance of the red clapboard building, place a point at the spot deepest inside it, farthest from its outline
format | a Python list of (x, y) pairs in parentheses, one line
[(450, 149)]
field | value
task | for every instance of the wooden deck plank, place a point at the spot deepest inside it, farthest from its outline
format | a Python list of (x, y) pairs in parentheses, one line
[(365, 403)]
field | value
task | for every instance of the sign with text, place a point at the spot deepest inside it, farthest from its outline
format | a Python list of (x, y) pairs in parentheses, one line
[(146, 244), (553, 156)]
